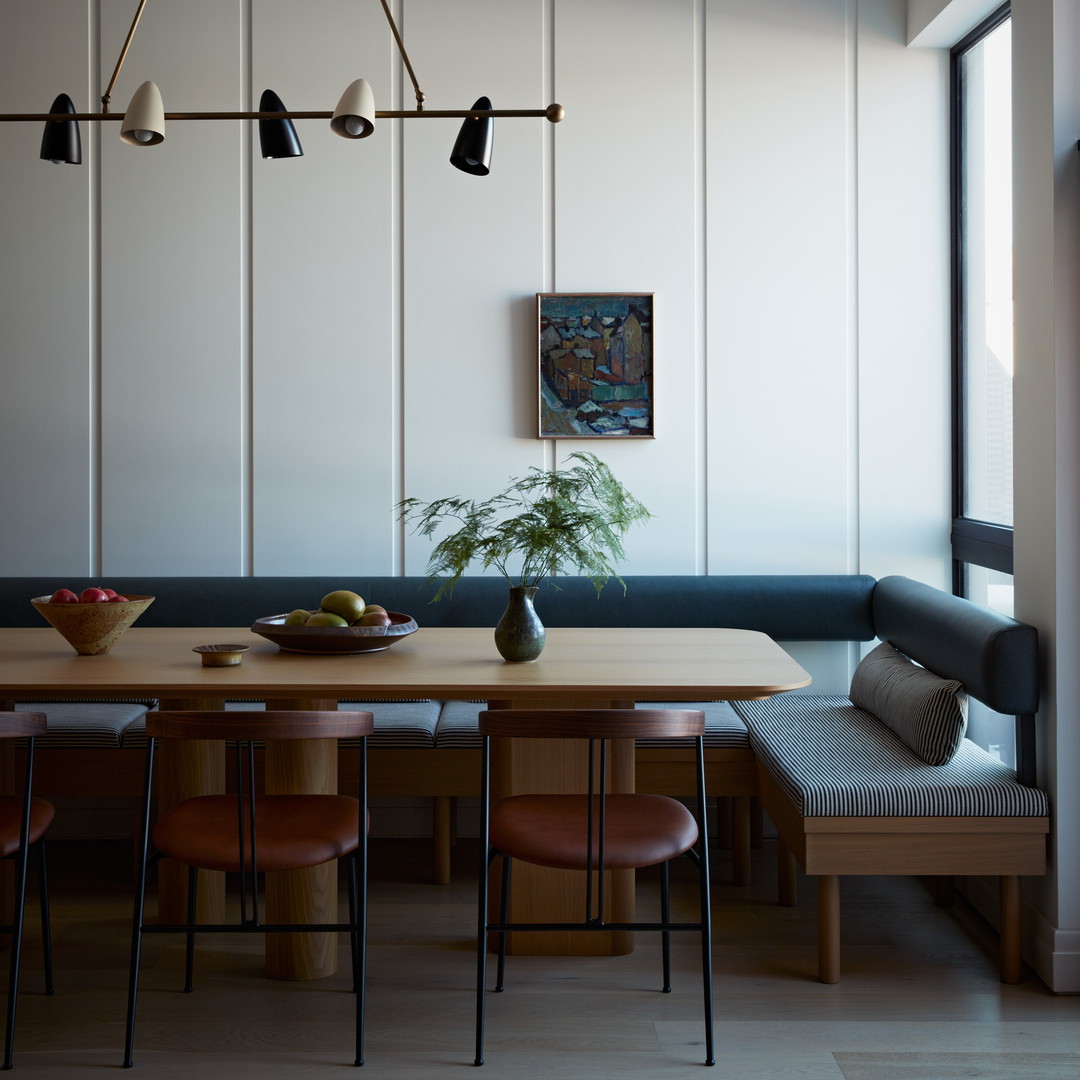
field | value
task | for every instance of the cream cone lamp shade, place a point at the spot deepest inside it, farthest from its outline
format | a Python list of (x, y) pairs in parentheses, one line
[(354, 117), (144, 121)]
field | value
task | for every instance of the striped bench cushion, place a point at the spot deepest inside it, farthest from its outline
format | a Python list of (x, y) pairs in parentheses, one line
[(75, 724), (458, 723), (835, 760), (397, 723)]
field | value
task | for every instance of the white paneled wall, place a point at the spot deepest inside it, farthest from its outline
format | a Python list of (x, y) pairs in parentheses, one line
[(781, 212), (48, 381), (218, 364)]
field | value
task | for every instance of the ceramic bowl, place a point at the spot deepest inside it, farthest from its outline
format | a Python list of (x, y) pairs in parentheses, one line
[(334, 639), (92, 629), (221, 655)]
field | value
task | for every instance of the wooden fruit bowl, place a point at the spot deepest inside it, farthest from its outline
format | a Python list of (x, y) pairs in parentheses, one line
[(334, 639)]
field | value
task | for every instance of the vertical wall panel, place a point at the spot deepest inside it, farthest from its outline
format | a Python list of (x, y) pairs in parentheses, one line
[(779, 288), (626, 220), (324, 413), (172, 440), (904, 447), (47, 395), (473, 255)]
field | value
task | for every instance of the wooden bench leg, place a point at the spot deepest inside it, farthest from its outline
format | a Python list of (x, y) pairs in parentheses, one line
[(442, 837), (740, 840), (1012, 963), (786, 875), (943, 890), (724, 836), (757, 825), (828, 928)]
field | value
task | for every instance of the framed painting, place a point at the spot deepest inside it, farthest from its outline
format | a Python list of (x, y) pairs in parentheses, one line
[(596, 365)]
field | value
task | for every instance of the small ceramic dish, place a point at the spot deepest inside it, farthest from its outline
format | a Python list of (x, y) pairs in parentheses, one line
[(221, 655)]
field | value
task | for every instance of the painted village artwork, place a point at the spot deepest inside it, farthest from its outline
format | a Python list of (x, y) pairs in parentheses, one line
[(595, 364)]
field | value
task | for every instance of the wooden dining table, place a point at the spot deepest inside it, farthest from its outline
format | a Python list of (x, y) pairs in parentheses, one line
[(579, 668)]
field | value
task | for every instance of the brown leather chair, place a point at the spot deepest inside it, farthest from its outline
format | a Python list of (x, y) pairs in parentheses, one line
[(594, 831), (23, 821), (291, 832)]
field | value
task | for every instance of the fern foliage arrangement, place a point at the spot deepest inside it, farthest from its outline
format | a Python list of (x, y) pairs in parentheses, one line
[(545, 523)]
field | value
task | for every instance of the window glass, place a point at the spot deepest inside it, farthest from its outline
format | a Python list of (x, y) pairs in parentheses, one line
[(986, 269)]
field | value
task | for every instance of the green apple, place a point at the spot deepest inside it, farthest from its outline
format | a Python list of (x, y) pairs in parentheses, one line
[(348, 605), (297, 617), (325, 618)]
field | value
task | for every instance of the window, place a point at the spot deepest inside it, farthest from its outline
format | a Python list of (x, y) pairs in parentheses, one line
[(982, 531)]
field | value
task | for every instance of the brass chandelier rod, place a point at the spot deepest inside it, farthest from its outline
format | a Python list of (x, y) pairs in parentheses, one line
[(554, 113), (107, 96), (404, 56)]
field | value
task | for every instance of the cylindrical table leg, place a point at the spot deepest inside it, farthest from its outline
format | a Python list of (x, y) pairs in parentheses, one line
[(302, 896), (184, 770)]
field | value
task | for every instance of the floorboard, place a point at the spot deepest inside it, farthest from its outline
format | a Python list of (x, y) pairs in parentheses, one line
[(919, 998)]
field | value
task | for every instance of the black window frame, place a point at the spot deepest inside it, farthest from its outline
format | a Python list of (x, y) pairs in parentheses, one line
[(974, 542)]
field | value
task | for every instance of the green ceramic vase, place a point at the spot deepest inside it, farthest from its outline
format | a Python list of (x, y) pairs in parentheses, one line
[(520, 635)]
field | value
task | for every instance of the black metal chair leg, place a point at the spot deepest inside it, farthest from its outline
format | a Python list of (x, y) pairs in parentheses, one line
[(665, 918), (192, 898), (702, 860), (351, 873), (481, 952), (46, 918), (16, 950), (361, 953), (504, 913), (136, 955)]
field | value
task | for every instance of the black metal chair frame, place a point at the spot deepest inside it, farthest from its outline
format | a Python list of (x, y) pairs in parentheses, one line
[(25, 725), (250, 922), (594, 896)]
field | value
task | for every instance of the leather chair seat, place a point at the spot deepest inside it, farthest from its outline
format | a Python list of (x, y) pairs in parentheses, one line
[(41, 815), (550, 830), (293, 831)]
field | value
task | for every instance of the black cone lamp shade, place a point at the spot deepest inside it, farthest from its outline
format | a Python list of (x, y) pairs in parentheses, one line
[(277, 138), (472, 151), (61, 142)]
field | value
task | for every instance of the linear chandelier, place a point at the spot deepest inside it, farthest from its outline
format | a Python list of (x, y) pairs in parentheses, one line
[(143, 124)]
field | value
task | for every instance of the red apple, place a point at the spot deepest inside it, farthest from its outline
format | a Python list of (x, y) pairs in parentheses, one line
[(110, 593), (63, 596), (116, 598), (93, 596), (373, 618)]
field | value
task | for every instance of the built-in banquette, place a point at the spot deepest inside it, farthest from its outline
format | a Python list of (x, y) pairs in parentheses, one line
[(878, 782)]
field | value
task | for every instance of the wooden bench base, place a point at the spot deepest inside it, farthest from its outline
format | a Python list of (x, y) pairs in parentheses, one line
[(831, 847)]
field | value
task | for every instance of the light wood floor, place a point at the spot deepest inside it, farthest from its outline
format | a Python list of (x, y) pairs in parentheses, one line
[(919, 998)]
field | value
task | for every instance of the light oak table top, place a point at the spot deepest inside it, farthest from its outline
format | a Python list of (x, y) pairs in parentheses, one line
[(588, 664)]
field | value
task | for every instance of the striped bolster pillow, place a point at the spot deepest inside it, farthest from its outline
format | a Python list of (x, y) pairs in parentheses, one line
[(927, 713)]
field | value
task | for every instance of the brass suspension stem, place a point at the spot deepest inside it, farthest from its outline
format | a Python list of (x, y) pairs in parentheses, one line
[(404, 56), (107, 96)]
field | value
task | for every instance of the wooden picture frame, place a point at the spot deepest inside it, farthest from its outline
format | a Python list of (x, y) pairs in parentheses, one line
[(595, 365)]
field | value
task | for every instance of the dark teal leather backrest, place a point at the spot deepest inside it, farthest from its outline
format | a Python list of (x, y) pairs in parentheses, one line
[(788, 607)]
